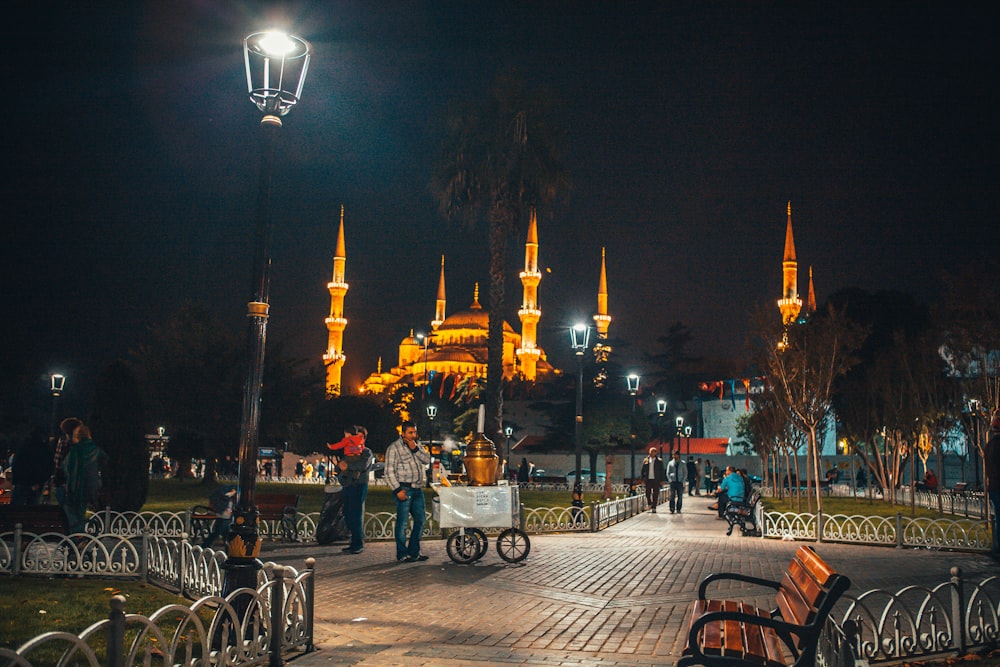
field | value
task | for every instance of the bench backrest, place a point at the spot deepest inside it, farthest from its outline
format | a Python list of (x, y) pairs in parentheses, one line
[(276, 504), (809, 589), (959, 487), (34, 518)]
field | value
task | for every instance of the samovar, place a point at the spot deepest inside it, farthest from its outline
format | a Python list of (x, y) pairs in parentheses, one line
[(481, 462)]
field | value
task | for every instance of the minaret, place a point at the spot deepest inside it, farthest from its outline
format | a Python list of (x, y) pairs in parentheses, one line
[(529, 312), (439, 306), (811, 298), (790, 304), (336, 323), (602, 320)]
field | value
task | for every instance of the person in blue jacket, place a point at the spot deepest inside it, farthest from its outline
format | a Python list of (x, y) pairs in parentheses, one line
[(731, 489)]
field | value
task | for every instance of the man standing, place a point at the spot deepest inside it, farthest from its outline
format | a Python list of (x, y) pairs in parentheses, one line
[(352, 471), (405, 469), (992, 460), (652, 473), (693, 476), (676, 474)]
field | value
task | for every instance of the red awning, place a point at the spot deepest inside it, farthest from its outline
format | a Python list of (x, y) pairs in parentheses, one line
[(699, 446)]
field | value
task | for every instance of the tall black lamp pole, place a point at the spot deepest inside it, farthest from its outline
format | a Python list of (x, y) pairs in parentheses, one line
[(276, 66), (632, 382), (580, 337)]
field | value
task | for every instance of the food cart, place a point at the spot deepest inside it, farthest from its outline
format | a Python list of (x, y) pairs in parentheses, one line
[(469, 509)]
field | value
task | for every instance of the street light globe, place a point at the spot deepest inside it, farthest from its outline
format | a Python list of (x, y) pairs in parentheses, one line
[(661, 407), (632, 381), (58, 381), (509, 431), (276, 67)]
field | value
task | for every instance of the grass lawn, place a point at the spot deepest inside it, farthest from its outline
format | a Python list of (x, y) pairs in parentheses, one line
[(31, 606), (851, 506)]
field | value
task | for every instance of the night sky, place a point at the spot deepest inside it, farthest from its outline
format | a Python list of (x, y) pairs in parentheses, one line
[(131, 173)]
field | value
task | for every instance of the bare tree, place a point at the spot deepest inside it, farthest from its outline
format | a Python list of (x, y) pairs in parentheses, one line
[(802, 361)]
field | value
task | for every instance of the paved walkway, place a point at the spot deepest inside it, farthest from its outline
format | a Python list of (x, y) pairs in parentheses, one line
[(617, 597)]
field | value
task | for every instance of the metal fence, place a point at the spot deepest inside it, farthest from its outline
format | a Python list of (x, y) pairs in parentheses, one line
[(247, 627), (915, 622), (895, 531)]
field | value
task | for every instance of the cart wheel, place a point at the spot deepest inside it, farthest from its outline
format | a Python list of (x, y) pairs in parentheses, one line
[(463, 547), (484, 544), (513, 545)]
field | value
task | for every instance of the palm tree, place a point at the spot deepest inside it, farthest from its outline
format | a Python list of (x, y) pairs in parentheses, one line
[(500, 158)]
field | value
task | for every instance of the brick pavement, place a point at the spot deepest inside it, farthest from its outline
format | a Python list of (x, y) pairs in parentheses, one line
[(618, 597)]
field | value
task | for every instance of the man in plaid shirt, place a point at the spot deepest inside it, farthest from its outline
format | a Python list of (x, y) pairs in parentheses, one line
[(406, 470)]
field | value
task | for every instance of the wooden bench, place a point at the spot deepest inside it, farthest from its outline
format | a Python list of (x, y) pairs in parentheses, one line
[(35, 519), (741, 513), (731, 632), (958, 489), (280, 507)]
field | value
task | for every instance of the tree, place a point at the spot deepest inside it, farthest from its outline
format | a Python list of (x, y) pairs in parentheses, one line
[(500, 158), (674, 377), (802, 362), (193, 372), (117, 425)]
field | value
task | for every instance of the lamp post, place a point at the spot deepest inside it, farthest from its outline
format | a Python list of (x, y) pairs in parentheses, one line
[(687, 434), (57, 381), (508, 431), (276, 66), (424, 338), (580, 341), (432, 412), (679, 424), (632, 382), (661, 409)]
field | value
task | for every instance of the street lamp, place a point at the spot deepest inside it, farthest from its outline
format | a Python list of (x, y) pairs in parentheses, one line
[(432, 412), (661, 409), (508, 431), (679, 423), (57, 381), (424, 338), (580, 341), (632, 382), (687, 434), (276, 66)]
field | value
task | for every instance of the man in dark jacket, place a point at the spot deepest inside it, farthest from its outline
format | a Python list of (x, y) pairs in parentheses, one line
[(653, 474), (352, 472)]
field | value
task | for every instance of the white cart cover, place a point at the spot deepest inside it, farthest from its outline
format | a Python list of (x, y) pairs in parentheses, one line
[(475, 506)]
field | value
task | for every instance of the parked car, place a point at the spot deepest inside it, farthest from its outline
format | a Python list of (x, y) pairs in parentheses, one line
[(585, 476)]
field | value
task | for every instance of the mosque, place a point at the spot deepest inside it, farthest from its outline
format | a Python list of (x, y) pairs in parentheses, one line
[(456, 346)]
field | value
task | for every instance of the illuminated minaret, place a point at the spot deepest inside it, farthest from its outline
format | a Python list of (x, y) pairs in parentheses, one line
[(790, 304), (336, 323), (602, 320), (811, 294), (529, 313), (439, 306)]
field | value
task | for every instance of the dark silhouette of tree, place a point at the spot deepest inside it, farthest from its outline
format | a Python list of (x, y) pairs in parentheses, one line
[(500, 158), (117, 425), (677, 369)]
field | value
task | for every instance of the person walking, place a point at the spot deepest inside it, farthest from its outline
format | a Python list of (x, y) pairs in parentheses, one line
[(82, 466), (352, 471), (31, 469), (653, 474), (405, 469), (692, 475), (676, 473), (992, 461)]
